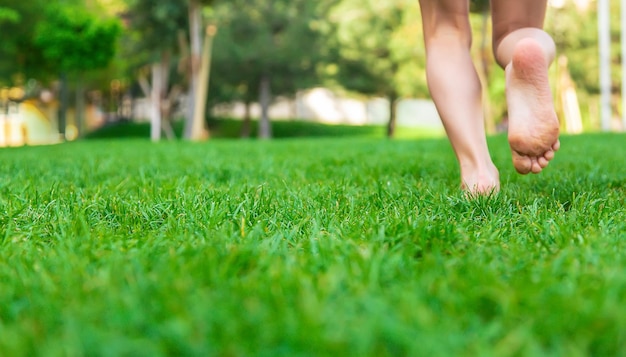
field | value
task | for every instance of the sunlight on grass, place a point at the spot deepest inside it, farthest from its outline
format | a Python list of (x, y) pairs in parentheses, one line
[(351, 246), (418, 133)]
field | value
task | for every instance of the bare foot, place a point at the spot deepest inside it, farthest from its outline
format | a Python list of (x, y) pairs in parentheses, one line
[(480, 182), (533, 125)]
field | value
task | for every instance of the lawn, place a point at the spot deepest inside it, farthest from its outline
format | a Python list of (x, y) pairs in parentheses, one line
[(351, 246)]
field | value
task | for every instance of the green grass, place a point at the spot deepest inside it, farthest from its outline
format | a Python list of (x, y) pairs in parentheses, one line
[(231, 128), (330, 247)]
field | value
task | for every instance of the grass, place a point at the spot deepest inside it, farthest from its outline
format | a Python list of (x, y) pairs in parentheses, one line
[(231, 128), (329, 247)]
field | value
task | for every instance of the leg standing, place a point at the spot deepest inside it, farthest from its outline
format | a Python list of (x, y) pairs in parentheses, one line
[(456, 90), (525, 51)]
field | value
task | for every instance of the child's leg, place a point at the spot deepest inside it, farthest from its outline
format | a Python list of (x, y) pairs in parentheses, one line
[(526, 52), (456, 90)]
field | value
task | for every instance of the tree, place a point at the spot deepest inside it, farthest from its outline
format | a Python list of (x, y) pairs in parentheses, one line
[(378, 49), (575, 31), (73, 40), (259, 51), (194, 123), (159, 30), (170, 31), (20, 58)]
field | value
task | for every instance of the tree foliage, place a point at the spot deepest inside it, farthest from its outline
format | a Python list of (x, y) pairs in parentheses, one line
[(276, 38), (74, 40), (378, 49), (261, 41), (576, 35), (19, 56), (9, 15), (41, 38), (156, 25)]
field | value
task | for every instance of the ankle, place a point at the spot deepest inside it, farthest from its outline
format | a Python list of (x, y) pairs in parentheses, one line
[(469, 164)]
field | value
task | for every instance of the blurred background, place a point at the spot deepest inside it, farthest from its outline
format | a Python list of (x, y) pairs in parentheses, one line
[(197, 69)]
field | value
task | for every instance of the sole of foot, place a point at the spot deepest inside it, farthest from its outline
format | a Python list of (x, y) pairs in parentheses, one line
[(533, 124)]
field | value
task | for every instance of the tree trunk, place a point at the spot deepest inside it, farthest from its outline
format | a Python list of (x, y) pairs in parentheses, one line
[(200, 130), (245, 125), (165, 100), (168, 130), (166, 112), (195, 33), (391, 125), (265, 97), (63, 105), (155, 102), (490, 122), (604, 45), (79, 117)]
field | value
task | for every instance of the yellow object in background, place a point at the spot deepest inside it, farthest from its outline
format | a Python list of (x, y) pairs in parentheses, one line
[(26, 124)]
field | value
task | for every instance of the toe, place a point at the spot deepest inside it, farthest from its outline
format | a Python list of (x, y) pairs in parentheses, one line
[(549, 155), (543, 162), (522, 164), (556, 145), (536, 168)]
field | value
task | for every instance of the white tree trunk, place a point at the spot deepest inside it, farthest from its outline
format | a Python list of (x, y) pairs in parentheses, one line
[(195, 33), (155, 102), (265, 97), (604, 43)]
